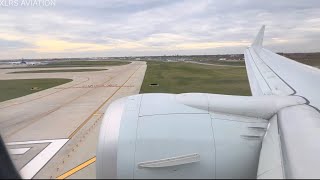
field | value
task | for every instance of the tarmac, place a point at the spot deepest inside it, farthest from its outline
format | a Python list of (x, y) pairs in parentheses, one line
[(54, 133)]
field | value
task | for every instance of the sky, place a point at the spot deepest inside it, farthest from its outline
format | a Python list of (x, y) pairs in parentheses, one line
[(96, 28)]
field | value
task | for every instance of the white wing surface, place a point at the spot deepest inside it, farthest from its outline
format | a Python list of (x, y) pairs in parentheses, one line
[(291, 146), (272, 74)]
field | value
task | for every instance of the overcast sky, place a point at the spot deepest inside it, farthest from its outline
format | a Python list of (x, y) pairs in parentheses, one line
[(85, 28)]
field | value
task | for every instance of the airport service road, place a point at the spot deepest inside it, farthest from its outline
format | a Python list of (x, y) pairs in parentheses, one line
[(54, 133), (226, 65)]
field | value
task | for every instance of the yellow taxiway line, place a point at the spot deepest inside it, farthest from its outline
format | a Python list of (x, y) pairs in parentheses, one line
[(76, 169), (95, 113)]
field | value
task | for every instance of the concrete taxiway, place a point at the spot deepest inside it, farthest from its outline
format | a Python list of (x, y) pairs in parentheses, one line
[(54, 133)]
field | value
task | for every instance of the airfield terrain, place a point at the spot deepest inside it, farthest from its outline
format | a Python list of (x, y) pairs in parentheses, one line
[(181, 77), (53, 133)]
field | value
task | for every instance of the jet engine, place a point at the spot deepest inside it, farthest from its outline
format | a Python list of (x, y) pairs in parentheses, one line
[(192, 135)]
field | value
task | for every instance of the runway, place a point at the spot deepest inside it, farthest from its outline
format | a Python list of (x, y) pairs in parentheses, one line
[(53, 133)]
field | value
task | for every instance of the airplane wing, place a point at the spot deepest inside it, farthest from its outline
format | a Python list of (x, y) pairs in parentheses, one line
[(295, 153), (272, 74)]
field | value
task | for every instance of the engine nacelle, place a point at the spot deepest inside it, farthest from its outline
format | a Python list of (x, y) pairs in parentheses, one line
[(185, 136)]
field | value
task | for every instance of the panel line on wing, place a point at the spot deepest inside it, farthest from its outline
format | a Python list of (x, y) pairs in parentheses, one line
[(257, 67), (258, 83), (275, 83), (253, 81), (294, 91)]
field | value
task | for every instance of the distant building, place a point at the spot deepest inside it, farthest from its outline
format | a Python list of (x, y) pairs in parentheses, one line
[(23, 62), (222, 59)]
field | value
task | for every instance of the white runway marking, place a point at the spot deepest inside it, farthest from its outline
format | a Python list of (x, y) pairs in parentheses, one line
[(35, 165), (18, 151)]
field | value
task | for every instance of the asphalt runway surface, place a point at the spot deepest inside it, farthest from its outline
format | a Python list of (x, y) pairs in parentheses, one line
[(54, 133)]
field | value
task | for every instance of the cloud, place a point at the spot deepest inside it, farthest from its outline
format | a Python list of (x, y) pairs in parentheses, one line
[(56, 46), (156, 27), (11, 44)]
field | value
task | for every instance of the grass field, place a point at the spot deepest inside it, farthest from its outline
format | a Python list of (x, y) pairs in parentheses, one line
[(74, 64), (179, 77), (311, 62), (11, 89), (312, 59), (59, 71)]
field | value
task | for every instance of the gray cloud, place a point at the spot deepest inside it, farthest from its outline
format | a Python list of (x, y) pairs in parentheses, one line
[(5, 44), (160, 26)]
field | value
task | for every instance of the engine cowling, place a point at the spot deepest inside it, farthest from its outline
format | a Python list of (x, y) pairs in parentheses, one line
[(185, 136)]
